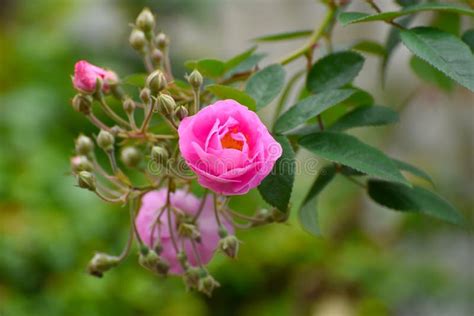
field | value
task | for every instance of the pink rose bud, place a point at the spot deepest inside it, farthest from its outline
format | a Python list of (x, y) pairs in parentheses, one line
[(86, 76), (153, 233), (228, 147)]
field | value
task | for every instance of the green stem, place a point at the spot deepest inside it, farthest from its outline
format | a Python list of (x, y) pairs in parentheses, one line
[(131, 234), (110, 113), (201, 205), (286, 93), (148, 116), (216, 212)]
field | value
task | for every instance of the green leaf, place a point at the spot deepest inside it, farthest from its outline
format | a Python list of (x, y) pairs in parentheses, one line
[(333, 71), (276, 188), (246, 65), (308, 213), (211, 68), (448, 22), (348, 150), (359, 98), (468, 38), (356, 17), (431, 75), (283, 36), (366, 116), (264, 85), (236, 60), (444, 51), (415, 199), (227, 92), (309, 108), (371, 47), (137, 80), (413, 170)]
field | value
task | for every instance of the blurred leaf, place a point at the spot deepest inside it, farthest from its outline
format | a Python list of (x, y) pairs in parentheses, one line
[(226, 92), (413, 170), (309, 108), (283, 36), (356, 17), (211, 68), (415, 199), (370, 47), (406, 3), (444, 51), (468, 38), (366, 116), (276, 188), (349, 151), (246, 65), (236, 60), (448, 22), (333, 71), (264, 85), (431, 75), (308, 213), (137, 80), (360, 97)]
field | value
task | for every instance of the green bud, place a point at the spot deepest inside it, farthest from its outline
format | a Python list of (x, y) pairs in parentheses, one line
[(165, 104), (130, 156), (229, 245), (137, 40), (156, 82), (195, 79), (162, 41), (278, 216), (207, 284), (145, 20), (188, 230), (82, 103), (105, 140), (181, 112), (81, 163), (86, 180), (145, 95), (153, 262), (128, 106), (159, 155), (101, 263), (84, 145), (191, 277), (157, 56)]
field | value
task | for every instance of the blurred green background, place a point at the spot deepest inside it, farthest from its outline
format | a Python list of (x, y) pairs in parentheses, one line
[(371, 261)]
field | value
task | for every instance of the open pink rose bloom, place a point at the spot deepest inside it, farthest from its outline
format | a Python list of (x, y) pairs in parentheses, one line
[(86, 75), (152, 231), (228, 147)]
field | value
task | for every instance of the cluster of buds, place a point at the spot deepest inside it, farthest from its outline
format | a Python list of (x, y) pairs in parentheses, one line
[(177, 232)]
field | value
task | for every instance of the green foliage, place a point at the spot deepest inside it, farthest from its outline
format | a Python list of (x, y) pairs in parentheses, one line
[(136, 80), (309, 108), (211, 68), (240, 58), (308, 212), (366, 116), (468, 38), (413, 170), (351, 152), (227, 92), (266, 84), (414, 199), (444, 51), (431, 75), (371, 47), (277, 186), (334, 71), (284, 36)]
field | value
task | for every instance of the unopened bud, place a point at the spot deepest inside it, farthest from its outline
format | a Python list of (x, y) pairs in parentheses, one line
[(128, 106), (131, 156), (115, 130), (165, 104), (279, 216), (145, 95), (101, 263), (181, 112), (191, 277), (156, 82), (207, 284), (105, 140), (137, 40), (145, 20), (195, 79), (153, 262), (82, 103), (159, 155), (84, 145), (188, 230), (229, 245), (162, 41), (86, 180), (81, 163), (157, 56)]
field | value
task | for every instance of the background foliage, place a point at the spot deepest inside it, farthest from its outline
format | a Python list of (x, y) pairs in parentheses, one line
[(371, 262)]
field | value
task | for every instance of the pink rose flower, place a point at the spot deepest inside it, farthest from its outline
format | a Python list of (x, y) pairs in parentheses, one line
[(185, 202), (228, 147), (86, 75)]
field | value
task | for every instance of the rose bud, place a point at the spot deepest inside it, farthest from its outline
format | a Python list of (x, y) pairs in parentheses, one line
[(228, 147), (229, 245), (181, 112), (87, 75), (191, 277), (207, 284), (105, 140), (159, 155), (162, 41), (147, 221), (165, 104), (195, 79), (145, 20), (86, 180), (81, 163), (156, 82), (84, 145), (157, 56), (152, 261), (137, 40), (145, 95), (131, 157), (128, 106), (82, 103), (100, 263)]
